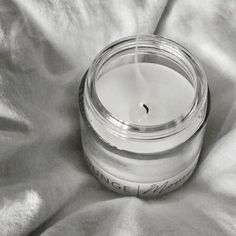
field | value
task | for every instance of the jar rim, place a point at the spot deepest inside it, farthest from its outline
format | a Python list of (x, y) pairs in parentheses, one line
[(119, 127)]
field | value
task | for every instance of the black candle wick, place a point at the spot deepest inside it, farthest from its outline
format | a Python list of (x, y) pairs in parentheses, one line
[(146, 108)]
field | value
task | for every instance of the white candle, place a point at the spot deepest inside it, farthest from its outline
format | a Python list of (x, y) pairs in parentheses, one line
[(142, 124)]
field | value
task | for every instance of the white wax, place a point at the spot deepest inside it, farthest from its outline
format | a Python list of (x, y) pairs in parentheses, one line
[(165, 92), (168, 95)]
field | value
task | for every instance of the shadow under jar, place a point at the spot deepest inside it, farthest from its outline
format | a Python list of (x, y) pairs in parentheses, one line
[(144, 160)]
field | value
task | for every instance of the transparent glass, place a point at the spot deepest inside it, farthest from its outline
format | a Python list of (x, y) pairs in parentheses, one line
[(140, 160)]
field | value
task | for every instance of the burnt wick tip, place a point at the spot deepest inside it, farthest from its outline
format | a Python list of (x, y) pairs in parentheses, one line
[(146, 108)]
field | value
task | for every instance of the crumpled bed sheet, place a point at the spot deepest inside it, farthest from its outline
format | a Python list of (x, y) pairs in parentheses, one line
[(45, 186)]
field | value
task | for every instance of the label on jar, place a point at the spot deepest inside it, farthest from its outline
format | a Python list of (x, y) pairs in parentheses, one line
[(141, 190)]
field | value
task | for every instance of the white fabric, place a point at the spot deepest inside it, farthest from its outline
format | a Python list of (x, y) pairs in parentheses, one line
[(45, 187)]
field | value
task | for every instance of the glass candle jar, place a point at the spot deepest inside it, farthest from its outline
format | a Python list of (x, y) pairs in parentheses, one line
[(141, 159)]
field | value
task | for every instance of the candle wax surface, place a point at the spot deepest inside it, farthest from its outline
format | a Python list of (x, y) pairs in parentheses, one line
[(156, 96)]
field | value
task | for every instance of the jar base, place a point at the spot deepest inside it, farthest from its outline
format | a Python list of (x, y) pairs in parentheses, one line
[(141, 190)]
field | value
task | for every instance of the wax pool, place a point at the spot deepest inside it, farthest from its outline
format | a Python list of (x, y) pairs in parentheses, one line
[(157, 95)]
